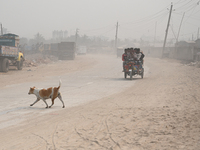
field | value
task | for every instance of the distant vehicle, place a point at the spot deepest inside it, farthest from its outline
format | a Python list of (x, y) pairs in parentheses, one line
[(66, 50), (9, 52), (63, 50), (82, 50)]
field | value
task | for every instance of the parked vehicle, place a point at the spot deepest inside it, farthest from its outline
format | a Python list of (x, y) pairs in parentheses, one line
[(133, 68), (66, 50), (82, 50), (9, 52)]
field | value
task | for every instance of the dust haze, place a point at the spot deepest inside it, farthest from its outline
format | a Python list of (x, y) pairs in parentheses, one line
[(89, 23)]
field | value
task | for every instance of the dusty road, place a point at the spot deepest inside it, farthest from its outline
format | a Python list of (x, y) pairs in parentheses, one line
[(103, 110)]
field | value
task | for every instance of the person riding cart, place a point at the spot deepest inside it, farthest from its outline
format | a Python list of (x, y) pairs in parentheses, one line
[(139, 57), (124, 58)]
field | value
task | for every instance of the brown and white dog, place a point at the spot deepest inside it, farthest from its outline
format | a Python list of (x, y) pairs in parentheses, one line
[(52, 93)]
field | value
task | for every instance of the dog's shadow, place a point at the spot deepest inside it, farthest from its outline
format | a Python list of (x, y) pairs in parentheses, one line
[(36, 108), (42, 108)]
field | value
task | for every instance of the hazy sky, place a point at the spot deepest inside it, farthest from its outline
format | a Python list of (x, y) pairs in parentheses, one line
[(136, 18)]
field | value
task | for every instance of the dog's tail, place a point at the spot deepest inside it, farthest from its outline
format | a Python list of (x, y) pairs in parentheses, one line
[(59, 84)]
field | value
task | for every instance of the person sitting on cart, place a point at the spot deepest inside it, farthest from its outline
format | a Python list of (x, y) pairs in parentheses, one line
[(127, 53), (133, 54), (124, 58), (139, 56)]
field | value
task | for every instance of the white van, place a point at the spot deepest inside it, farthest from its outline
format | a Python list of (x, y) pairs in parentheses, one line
[(82, 50)]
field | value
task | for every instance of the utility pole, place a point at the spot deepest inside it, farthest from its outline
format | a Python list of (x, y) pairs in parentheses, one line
[(180, 27), (116, 37), (76, 36), (167, 29), (198, 34), (155, 34), (1, 29)]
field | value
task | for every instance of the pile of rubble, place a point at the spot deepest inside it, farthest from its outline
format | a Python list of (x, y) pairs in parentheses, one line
[(196, 64), (37, 59), (29, 63)]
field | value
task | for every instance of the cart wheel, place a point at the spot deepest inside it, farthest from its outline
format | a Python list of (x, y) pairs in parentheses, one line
[(142, 74), (125, 75), (131, 75)]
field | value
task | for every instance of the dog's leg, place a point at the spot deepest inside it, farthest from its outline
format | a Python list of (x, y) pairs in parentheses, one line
[(52, 100), (45, 103), (35, 101), (60, 97)]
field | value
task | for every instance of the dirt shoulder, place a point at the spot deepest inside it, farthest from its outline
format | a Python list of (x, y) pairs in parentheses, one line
[(160, 111)]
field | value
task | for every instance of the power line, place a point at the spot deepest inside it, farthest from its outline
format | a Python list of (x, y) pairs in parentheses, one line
[(191, 12), (191, 17), (179, 1), (197, 11), (148, 21), (148, 17), (180, 27), (173, 31), (107, 31), (184, 5)]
